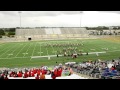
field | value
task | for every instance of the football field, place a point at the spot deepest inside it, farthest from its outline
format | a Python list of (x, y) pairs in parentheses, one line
[(37, 53)]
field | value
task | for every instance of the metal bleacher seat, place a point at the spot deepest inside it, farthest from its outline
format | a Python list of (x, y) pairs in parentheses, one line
[(96, 75)]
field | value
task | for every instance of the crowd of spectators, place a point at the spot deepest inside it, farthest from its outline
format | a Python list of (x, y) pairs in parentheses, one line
[(98, 69), (37, 73)]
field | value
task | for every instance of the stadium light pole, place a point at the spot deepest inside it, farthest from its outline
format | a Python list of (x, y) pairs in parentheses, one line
[(81, 18), (20, 17)]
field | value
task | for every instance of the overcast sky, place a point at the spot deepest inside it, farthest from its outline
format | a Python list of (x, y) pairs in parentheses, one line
[(59, 18)]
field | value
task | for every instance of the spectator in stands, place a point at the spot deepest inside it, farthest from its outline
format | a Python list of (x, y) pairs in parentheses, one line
[(53, 75), (25, 74), (118, 67), (2, 76), (38, 72), (35, 71), (5, 77), (15, 74), (112, 68), (43, 71), (42, 76), (114, 72), (30, 74), (95, 70), (48, 72), (59, 72), (105, 73), (71, 71), (55, 72), (37, 77), (12, 74), (19, 74)]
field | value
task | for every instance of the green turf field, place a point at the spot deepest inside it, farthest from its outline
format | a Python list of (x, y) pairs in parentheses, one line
[(24, 54)]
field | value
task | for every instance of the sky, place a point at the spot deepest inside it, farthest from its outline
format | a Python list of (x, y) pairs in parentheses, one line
[(59, 18)]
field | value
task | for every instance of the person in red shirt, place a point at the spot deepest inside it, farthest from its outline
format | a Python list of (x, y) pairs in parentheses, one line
[(59, 72), (32, 74), (53, 75), (25, 75), (112, 68), (55, 72), (5, 77), (38, 72), (15, 75), (19, 74), (43, 71), (29, 74), (2, 76), (35, 71), (12, 74), (37, 77)]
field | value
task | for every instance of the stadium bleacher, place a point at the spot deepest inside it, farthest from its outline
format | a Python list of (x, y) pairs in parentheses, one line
[(50, 33)]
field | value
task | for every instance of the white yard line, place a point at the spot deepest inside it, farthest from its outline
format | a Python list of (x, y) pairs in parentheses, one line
[(47, 51), (34, 49), (2, 44), (20, 50), (53, 49), (8, 50), (13, 50), (27, 50), (59, 47), (40, 49)]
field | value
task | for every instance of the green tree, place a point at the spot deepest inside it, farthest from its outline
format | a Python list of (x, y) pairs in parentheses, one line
[(2, 32), (12, 30), (11, 33)]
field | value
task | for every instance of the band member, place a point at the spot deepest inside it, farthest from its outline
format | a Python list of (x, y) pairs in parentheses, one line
[(57, 55), (65, 54), (81, 53), (87, 53), (74, 54)]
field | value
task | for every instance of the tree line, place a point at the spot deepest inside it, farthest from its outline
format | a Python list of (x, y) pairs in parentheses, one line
[(7, 32), (102, 28)]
